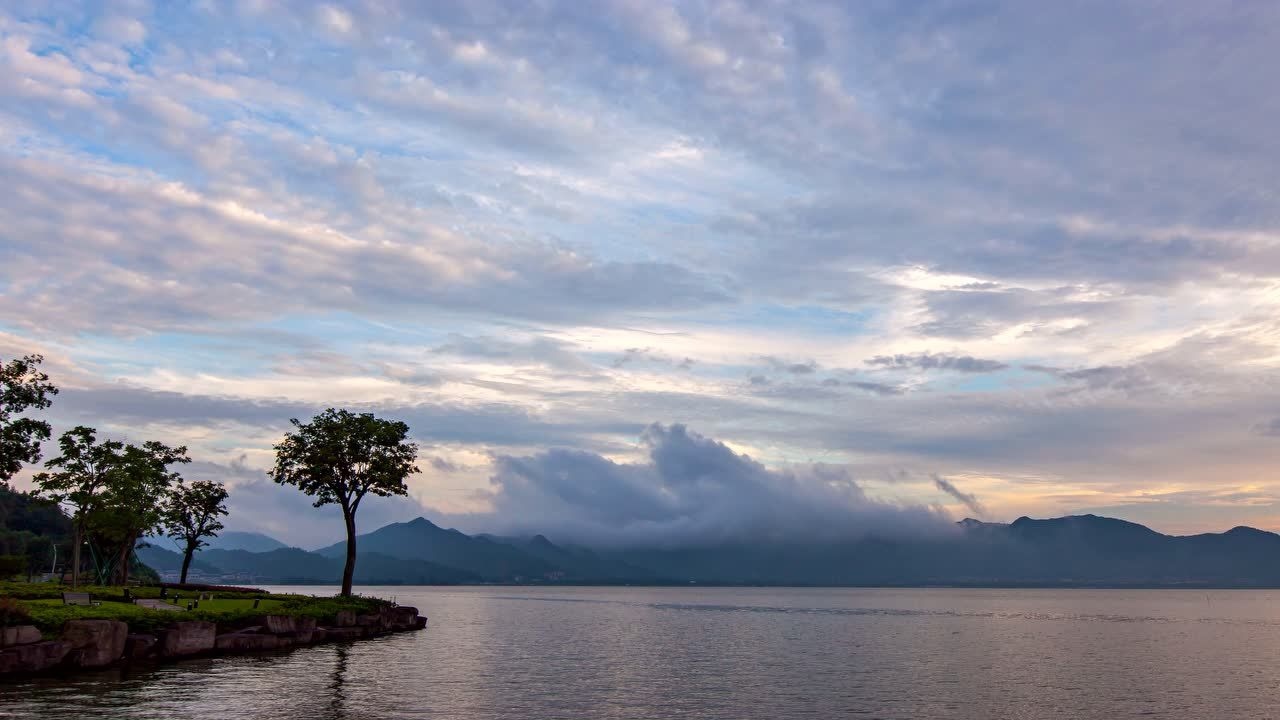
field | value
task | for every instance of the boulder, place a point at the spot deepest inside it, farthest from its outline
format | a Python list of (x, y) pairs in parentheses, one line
[(243, 641), (345, 618), (319, 635), (420, 622), (403, 618), (19, 635), (139, 646), (188, 638), (284, 624), (343, 634), (95, 643), (372, 622), (33, 657)]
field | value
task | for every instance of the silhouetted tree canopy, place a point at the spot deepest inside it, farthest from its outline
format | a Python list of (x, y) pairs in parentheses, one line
[(22, 387), (340, 457), (192, 513)]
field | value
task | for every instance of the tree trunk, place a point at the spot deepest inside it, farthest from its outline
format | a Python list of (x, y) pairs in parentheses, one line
[(125, 553), (186, 562), (75, 556), (349, 571)]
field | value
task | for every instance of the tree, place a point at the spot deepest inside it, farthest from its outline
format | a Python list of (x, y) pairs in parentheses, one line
[(83, 471), (191, 515), (339, 458), (22, 387), (132, 504)]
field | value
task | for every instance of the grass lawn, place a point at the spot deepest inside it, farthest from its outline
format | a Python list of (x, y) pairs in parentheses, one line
[(229, 604), (42, 605), (265, 605)]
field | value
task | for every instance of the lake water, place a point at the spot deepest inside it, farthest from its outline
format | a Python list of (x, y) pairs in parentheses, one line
[(735, 653)]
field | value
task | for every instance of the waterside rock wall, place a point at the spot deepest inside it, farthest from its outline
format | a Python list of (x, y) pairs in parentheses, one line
[(88, 644)]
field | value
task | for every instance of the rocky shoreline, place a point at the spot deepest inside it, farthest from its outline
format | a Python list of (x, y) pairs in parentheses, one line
[(95, 644)]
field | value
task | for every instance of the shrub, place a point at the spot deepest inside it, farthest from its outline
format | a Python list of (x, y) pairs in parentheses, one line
[(13, 612)]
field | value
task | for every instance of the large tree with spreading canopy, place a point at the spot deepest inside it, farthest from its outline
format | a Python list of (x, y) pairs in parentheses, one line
[(339, 458)]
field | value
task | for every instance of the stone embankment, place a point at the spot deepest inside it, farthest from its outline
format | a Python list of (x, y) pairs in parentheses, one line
[(87, 644)]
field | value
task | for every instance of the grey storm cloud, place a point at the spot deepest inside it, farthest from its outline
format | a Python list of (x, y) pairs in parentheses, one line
[(689, 490), (929, 361)]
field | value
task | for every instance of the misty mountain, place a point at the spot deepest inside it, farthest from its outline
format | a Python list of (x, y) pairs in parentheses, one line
[(1084, 550), (166, 561), (295, 566), (578, 563), (421, 539), (1081, 550), (251, 541)]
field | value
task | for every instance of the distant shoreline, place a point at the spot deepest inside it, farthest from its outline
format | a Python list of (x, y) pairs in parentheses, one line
[(815, 586)]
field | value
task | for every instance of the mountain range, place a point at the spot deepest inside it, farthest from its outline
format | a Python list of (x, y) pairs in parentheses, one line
[(1081, 550), (251, 541)]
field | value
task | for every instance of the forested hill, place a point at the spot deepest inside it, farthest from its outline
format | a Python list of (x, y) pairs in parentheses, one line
[(29, 529)]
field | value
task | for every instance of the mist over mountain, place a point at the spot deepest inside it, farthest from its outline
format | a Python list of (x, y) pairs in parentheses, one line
[(691, 490)]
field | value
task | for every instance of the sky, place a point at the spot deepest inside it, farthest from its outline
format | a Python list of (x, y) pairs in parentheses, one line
[(636, 270)]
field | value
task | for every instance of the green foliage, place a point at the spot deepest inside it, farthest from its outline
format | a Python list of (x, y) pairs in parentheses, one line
[(327, 608), (133, 500), (117, 492), (193, 513), (81, 472), (22, 387), (340, 456), (54, 590), (28, 512), (43, 603), (49, 615)]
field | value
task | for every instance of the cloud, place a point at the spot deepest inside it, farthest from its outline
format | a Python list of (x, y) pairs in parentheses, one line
[(650, 356), (689, 490), (807, 367), (969, 500), (929, 361), (538, 351), (874, 388), (518, 228)]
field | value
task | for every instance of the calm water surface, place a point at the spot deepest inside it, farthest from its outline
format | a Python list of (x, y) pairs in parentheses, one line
[(733, 653)]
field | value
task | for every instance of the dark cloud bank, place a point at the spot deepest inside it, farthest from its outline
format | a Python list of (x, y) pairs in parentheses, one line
[(690, 491)]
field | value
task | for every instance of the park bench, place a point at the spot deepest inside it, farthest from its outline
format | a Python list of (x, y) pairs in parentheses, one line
[(74, 598)]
